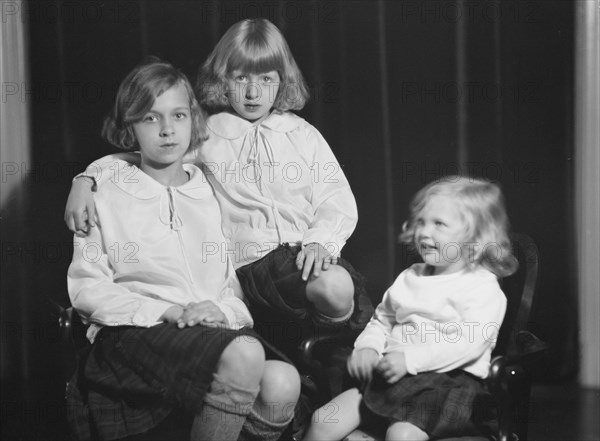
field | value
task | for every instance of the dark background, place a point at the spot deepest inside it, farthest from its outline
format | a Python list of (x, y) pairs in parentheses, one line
[(404, 92)]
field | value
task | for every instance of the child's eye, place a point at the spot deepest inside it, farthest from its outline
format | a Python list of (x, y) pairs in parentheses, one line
[(149, 118), (439, 224), (181, 115), (241, 78)]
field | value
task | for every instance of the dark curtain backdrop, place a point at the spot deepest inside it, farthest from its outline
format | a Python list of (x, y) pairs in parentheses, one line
[(404, 91)]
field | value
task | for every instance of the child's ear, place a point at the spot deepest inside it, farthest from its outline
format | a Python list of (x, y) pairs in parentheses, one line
[(402, 231)]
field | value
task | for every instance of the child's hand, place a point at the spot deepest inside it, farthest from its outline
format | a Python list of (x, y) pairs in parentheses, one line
[(202, 313), (392, 366), (314, 255), (172, 314), (80, 212), (361, 364)]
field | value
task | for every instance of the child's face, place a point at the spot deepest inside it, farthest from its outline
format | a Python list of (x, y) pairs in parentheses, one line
[(439, 235), (252, 95), (165, 131)]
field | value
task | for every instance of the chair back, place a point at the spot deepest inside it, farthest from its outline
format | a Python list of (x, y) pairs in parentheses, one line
[(519, 289)]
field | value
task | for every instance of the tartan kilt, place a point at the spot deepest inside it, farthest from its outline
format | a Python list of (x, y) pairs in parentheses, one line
[(131, 378), (273, 287), (443, 405)]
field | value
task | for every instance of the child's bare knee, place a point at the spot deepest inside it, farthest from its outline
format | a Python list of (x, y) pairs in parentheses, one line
[(332, 292), (405, 431), (280, 382), (279, 390), (242, 361)]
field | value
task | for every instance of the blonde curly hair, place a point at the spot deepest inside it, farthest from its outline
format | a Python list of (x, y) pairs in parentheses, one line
[(482, 205)]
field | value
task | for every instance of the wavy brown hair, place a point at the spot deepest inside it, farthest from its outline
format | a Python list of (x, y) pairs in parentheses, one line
[(136, 96)]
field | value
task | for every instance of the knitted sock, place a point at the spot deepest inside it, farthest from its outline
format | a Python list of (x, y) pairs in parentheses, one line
[(226, 406), (257, 428)]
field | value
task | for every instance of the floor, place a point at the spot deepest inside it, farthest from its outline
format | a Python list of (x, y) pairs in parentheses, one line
[(561, 412), (564, 413)]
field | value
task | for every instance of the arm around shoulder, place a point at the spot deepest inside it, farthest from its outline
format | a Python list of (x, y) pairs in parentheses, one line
[(80, 211), (110, 166)]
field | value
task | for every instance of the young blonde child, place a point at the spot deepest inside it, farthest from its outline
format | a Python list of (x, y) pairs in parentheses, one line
[(287, 207), (423, 356), (167, 323)]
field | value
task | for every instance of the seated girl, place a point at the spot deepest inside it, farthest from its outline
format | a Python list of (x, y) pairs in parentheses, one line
[(167, 320), (422, 358)]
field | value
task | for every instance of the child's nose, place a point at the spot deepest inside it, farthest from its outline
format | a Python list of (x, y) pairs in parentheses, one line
[(166, 130), (424, 231), (252, 91)]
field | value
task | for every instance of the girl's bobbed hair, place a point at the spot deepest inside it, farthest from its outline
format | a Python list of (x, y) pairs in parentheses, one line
[(482, 205), (251, 46), (136, 96)]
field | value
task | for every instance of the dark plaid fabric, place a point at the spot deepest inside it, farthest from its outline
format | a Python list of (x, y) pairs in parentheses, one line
[(131, 378), (276, 293), (441, 404)]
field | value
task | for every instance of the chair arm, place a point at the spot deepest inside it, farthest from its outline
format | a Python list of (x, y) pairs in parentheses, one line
[(73, 331), (509, 382), (530, 347), (65, 321), (310, 345)]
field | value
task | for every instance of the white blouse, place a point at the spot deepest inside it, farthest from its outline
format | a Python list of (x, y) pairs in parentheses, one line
[(153, 247), (276, 182), (440, 323)]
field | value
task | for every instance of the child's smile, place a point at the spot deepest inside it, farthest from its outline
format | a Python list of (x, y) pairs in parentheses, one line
[(428, 247)]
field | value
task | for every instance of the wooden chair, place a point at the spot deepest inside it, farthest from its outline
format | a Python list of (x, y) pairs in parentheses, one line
[(517, 349)]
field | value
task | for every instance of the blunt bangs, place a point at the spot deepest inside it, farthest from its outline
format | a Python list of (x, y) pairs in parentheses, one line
[(255, 56), (251, 46)]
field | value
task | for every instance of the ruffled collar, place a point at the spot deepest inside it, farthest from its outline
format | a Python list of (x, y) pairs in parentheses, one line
[(141, 186), (231, 126)]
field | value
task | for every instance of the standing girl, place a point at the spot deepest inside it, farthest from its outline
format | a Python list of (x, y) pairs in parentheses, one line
[(424, 354), (287, 207), (166, 318)]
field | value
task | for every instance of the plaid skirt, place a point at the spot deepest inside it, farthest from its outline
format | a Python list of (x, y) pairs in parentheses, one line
[(131, 378), (273, 286), (443, 405), (276, 297)]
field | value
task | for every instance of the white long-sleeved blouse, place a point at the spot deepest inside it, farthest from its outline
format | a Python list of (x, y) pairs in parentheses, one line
[(440, 323), (153, 247), (276, 182)]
